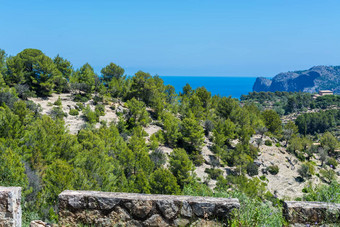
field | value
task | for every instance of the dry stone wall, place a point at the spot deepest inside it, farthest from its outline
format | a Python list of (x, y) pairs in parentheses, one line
[(311, 213), (109, 209), (10, 207)]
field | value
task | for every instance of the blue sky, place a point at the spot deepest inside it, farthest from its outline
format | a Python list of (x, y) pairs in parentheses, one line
[(187, 37)]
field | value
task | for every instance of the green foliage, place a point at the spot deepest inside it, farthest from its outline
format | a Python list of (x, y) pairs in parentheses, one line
[(171, 129), (329, 142), (12, 170), (305, 171), (100, 110), (84, 79), (181, 166), (324, 193), (272, 121), (90, 116), (332, 162), (311, 123), (252, 169), (74, 112), (58, 102), (274, 169), (163, 182), (33, 68), (57, 113), (192, 134), (268, 142), (137, 113), (214, 173), (328, 175), (158, 157), (112, 71)]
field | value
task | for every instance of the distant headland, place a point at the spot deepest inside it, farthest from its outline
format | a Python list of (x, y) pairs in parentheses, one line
[(311, 80)]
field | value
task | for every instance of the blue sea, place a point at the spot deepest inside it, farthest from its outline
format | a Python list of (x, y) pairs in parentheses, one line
[(223, 86)]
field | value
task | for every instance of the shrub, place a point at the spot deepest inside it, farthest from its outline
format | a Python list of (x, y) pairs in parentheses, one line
[(158, 157), (328, 175), (252, 169), (304, 171), (300, 156), (268, 143), (197, 159), (90, 116), (214, 173), (263, 177), (278, 145), (274, 169), (58, 102), (74, 112), (79, 106), (100, 110), (57, 113), (332, 162)]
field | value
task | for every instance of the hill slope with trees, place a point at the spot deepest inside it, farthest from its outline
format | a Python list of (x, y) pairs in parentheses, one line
[(136, 134)]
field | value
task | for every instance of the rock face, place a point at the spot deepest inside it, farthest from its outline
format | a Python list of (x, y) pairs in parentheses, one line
[(311, 213), (10, 207), (311, 80), (128, 209)]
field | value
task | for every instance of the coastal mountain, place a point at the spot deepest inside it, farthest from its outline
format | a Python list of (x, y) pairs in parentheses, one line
[(311, 80)]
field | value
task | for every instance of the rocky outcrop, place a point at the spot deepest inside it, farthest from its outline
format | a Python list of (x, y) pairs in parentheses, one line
[(127, 209), (10, 207), (311, 80), (311, 213)]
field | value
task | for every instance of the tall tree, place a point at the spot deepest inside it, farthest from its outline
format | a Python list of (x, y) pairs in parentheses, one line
[(34, 68), (112, 71)]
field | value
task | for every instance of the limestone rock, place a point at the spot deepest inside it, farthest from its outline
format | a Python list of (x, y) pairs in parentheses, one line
[(155, 221), (181, 222), (203, 210), (186, 210), (139, 208), (168, 208)]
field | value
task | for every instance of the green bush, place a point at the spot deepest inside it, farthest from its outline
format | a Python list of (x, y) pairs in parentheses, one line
[(57, 113), (278, 145), (197, 159), (214, 173), (100, 110), (90, 116), (74, 112), (79, 106), (263, 177), (58, 102), (274, 169), (305, 171), (252, 169), (332, 163), (268, 143)]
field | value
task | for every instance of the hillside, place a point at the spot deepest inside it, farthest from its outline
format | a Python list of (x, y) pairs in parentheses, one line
[(311, 80), (65, 128)]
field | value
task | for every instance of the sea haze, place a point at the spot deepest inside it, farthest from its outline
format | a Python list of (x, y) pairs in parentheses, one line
[(223, 86)]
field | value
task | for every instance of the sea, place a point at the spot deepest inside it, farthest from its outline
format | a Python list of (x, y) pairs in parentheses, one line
[(222, 86)]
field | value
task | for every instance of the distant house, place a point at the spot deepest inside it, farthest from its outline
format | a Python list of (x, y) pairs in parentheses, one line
[(325, 92), (322, 93)]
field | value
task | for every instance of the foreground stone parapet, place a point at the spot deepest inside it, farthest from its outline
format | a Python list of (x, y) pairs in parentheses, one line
[(109, 209), (10, 206), (312, 213)]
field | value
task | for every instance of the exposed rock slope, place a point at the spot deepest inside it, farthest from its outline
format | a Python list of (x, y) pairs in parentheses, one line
[(311, 80)]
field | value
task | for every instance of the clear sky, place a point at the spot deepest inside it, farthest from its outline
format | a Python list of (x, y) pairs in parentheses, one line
[(178, 37)]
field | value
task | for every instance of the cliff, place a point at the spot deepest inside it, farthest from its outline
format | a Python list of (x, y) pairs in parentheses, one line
[(311, 80)]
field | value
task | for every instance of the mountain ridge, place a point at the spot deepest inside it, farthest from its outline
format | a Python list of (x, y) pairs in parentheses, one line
[(311, 80)]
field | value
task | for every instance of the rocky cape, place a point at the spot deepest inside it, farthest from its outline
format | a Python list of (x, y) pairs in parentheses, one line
[(311, 80)]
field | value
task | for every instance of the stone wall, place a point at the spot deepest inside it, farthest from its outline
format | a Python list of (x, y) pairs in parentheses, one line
[(312, 213), (10, 207), (109, 209)]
